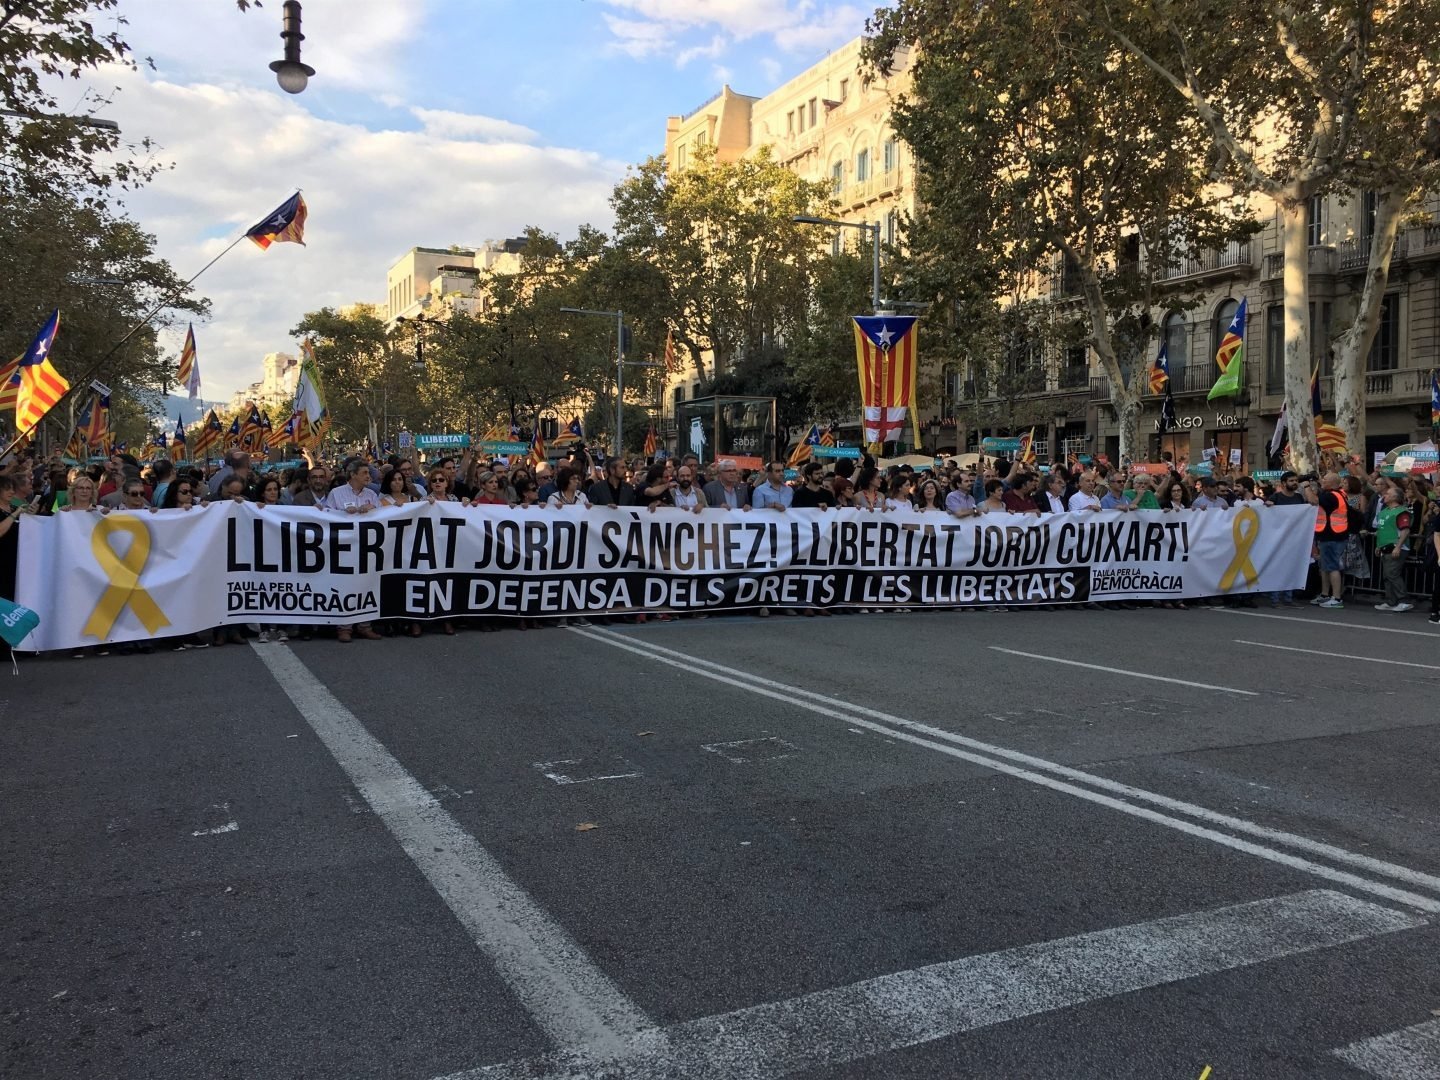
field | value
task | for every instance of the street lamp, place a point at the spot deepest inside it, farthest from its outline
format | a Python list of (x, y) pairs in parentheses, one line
[(290, 73), (83, 121), (620, 365), (864, 226)]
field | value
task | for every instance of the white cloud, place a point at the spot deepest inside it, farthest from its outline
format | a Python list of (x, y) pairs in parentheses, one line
[(352, 45), (454, 125), (372, 195), (794, 25)]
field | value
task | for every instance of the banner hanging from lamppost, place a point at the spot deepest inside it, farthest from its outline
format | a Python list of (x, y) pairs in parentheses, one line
[(886, 355)]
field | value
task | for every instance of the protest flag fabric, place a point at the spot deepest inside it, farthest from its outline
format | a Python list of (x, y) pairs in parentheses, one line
[(210, 434), (537, 445), (159, 442), (314, 418), (98, 432), (886, 358), (652, 441), (806, 448), (1160, 370), (250, 428), (283, 435), (41, 386), (827, 437), (670, 361), (1327, 436), (285, 226), (1026, 452), (178, 449), (1435, 399), (232, 437), (1230, 356), (574, 432), (188, 374), (76, 447), (1277, 441), (16, 622), (9, 383)]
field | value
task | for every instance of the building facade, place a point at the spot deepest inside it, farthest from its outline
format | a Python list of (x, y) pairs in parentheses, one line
[(1399, 364), (276, 388), (436, 282), (827, 125)]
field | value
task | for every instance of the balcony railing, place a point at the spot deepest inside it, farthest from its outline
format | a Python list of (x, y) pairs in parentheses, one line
[(1207, 262), (1073, 377), (1274, 265), (1100, 388), (1354, 254)]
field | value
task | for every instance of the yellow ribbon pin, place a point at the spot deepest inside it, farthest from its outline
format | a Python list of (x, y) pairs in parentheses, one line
[(124, 574), (1245, 538)]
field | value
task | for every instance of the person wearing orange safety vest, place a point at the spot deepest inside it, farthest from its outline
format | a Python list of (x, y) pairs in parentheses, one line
[(1332, 530)]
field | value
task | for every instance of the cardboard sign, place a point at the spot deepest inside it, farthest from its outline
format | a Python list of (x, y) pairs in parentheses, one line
[(1147, 468)]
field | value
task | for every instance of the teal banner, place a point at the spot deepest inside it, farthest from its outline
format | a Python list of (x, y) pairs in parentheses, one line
[(1267, 476), (432, 442), (492, 447), (835, 451), (1000, 446)]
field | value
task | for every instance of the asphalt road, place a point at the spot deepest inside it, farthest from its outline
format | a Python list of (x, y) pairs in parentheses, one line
[(1031, 844)]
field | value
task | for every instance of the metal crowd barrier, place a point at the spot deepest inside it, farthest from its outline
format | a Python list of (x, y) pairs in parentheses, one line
[(1419, 579)]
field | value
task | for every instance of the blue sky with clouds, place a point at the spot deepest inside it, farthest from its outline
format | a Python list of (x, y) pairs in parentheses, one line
[(429, 122)]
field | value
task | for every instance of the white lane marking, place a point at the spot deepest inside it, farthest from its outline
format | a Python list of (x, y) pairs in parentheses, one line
[(1412, 1053), (1338, 655), (551, 771), (910, 1008), (229, 826), (850, 713), (1129, 672), (1325, 623), (744, 751), (571, 999)]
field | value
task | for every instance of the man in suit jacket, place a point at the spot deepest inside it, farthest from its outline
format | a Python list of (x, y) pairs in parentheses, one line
[(727, 493)]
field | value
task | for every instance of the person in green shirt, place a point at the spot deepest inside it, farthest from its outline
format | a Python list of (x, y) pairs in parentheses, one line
[(1142, 492), (1392, 531)]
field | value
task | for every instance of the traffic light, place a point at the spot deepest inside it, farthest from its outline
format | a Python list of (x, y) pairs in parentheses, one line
[(624, 341)]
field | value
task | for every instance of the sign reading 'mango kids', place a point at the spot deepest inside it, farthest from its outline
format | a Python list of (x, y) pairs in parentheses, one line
[(129, 577)]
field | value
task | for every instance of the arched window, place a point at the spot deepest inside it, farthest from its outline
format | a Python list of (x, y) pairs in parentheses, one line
[(1177, 348), (1223, 314)]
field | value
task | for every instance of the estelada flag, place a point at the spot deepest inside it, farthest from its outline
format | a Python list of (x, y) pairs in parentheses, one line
[(1327, 436), (211, 432), (537, 445), (250, 430), (670, 350), (652, 441), (41, 386), (886, 357), (97, 431), (232, 437), (285, 226), (574, 432), (177, 442), (277, 438), (1160, 370)]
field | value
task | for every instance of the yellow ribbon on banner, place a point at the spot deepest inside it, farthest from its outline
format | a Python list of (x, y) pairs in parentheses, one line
[(124, 574), (1241, 566)]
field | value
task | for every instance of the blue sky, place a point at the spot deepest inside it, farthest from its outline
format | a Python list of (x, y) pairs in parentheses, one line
[(428, 122)]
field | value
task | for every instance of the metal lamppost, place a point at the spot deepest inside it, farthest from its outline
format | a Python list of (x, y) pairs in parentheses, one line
[(292, 75), (620, 365)]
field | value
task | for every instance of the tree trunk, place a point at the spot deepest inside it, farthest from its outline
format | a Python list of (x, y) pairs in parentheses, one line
[(1300, 422), (1353, 346), (1125, 400)]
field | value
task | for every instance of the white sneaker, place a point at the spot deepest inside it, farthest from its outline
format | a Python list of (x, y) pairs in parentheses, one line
[(279, 635), (1402, 606), (264, 636), (1385, 607), (1316, 601), (1331, 603)]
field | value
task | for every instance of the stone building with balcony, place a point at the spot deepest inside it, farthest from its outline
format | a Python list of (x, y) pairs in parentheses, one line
[(436, 282), (1405, 351)]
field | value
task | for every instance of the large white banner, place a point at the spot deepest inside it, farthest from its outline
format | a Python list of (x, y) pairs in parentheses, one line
[(130, 577)]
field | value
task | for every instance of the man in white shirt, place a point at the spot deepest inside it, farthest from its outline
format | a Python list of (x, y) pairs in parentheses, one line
[(1085, 498), (354, 497)]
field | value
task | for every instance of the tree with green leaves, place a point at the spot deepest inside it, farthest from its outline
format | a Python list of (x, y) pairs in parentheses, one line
[(1299, 98), (361, 363), (1050, 160), (722, 237)]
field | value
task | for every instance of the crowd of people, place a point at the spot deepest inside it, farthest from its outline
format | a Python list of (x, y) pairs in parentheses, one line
[(1367, 524)]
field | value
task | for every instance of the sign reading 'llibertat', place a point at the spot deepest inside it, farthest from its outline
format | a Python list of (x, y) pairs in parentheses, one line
[(126, 577)]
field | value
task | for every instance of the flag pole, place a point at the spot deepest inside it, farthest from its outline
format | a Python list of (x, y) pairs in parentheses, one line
[(165, 302)]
